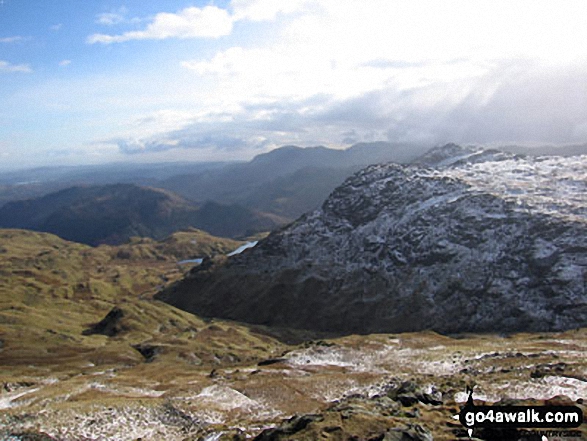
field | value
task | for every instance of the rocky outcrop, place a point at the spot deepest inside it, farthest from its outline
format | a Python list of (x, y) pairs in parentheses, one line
[(378, 418), (111, 325), (484, 241)]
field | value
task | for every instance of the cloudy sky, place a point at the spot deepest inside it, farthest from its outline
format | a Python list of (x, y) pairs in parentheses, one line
[(144, 80)]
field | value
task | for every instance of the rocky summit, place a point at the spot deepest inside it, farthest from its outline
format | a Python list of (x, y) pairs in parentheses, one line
[(463, 240)]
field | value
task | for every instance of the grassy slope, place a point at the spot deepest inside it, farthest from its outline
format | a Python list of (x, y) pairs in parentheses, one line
[(52, 290)]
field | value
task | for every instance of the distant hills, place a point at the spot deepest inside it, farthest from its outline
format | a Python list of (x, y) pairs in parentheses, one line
[(226, 199), (112, 214), (36, 182), (287, 181)]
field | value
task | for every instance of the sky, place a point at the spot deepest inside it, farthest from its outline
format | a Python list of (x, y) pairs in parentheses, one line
[(97, 81)]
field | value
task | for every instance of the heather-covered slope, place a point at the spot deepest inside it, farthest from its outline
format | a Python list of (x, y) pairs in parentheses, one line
[(494, 243)]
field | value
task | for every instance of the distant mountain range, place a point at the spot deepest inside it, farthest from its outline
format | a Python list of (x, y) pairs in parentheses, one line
[(287, 181), (36, 182), (224, 199), (463, 240), (227, 199), (114, 213)]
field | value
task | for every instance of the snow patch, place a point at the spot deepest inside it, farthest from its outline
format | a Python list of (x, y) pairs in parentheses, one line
[(226, 398), (7, 400)]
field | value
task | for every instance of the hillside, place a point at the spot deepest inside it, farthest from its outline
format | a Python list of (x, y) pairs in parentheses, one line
[(115, 213), (52, 291), (243, 183), (299, 192), (484, 242)]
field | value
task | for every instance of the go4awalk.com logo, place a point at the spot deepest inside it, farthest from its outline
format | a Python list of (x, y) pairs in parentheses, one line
[(518, 417)]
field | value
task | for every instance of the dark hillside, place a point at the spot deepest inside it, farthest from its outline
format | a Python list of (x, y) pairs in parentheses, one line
[(113, 213)]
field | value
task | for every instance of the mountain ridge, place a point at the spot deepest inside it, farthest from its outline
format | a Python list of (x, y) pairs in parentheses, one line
[(496, 244), (249, 181)]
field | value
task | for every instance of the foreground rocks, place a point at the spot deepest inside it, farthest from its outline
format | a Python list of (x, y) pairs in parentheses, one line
[(377, 387)]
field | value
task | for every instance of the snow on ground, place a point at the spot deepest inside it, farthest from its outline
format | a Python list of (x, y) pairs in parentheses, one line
[(539, 389), (555, 185), (224, 397), (8, 400)]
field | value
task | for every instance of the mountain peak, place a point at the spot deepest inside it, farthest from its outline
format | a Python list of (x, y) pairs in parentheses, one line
[(453, 154), (491, 246)]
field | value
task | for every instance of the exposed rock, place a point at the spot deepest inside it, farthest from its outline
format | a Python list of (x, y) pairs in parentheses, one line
[(172, 416), (357, 418), (288, 427), (409, 393), (542, 370), (110, 325), (496, 243), (271, 361), (453, 154), (149, 352), (9, 387)]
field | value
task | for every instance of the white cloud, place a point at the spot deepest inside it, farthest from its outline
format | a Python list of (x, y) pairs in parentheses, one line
[(11, 39), (110, 19), (6, 67), (345, 48), (263, 10), (512, 102), (162, 121), (116, 17), (407, 71), (56, 27), (64, 63), (192, 22)]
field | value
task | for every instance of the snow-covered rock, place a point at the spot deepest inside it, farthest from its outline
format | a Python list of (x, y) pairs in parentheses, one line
[(463, 240)]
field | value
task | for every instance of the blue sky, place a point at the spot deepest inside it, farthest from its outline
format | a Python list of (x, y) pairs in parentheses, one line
[(100, 81)]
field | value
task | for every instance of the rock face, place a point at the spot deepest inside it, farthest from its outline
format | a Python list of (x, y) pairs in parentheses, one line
[(471, 241)]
